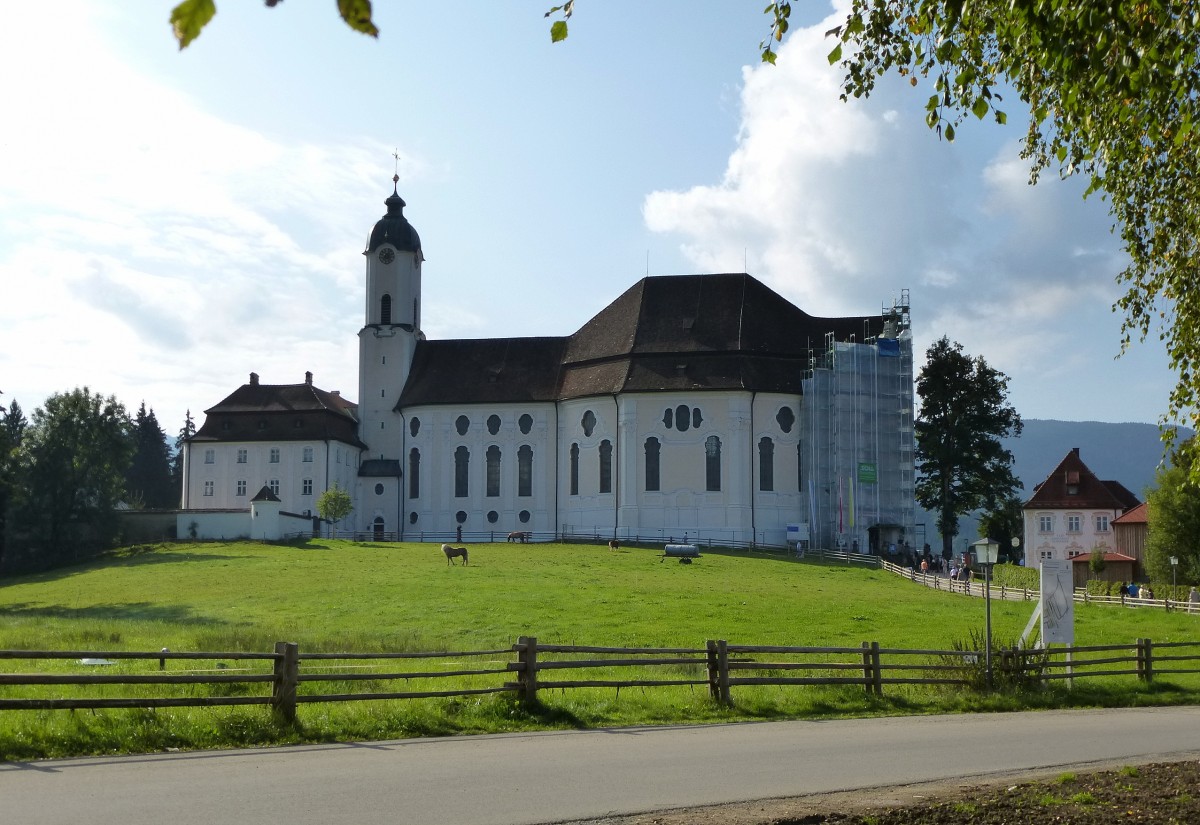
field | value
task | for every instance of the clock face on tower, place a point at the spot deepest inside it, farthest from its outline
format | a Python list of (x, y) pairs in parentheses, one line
[(386, 255)]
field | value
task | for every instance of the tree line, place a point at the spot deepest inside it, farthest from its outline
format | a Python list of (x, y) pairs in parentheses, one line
[(66, 470)]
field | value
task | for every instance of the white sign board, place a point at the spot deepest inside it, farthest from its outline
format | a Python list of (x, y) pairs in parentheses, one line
[(1058, 602), (797, 532)]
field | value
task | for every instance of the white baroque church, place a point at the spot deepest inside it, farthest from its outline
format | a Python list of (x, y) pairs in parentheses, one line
[(698, 407)]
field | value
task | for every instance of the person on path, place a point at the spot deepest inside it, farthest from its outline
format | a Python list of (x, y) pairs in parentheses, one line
[(1193, 600)]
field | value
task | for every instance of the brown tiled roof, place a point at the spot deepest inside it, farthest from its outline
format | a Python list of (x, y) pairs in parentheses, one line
[(1138, 515), (1090, 492), (484, 370), (280, 412), (663, 333)]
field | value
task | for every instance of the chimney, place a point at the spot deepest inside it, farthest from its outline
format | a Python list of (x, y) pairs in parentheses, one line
[(336, 393), (308, 378), (254, 379)]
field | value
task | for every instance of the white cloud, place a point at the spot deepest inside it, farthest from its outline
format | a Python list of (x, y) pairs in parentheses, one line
[(842, 204)]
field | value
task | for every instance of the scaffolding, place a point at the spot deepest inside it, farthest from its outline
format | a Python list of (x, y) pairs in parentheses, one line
[(857, 425)]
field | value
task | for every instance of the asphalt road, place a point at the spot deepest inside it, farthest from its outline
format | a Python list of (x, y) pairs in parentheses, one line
[(562, 776)]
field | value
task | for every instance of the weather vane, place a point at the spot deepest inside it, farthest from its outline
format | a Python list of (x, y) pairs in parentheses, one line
[(396, 175)]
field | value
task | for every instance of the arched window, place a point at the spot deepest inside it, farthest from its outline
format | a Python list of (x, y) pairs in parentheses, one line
[(525, 470), (414, 473), (712, 464), (378, 528), (462, 461), (799, 468), (606, 466), (652, 450), (385, 309), (574, 469), (492, 458), (766, 464)]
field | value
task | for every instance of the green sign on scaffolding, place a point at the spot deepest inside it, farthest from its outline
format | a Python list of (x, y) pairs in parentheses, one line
[(867, 472)]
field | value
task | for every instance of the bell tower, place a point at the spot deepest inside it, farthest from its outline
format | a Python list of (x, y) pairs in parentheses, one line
[(386, 344)]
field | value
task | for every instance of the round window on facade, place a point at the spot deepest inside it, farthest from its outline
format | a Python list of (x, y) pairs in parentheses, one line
[(493, 424), (412, 517), (523, 516), (414, 427), (786, 418), (493, 517), (378, 489), (461, 516), (462, 424)]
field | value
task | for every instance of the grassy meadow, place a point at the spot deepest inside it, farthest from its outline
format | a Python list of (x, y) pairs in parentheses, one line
[(336, 596)]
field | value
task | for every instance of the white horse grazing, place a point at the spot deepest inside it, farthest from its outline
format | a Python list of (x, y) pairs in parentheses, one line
[(453, 552)]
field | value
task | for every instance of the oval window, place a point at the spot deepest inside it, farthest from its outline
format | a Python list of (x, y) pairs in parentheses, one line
[(460, 516), (493, 517), (462, 424), (523, 516), (378, 489), (683, 418), (525, 422), (493, 424), (414, 427)]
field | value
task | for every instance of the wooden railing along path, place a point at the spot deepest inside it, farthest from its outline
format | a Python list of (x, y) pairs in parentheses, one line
[(294, 677)]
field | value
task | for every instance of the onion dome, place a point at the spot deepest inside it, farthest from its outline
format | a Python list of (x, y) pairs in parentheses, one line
[(393, 227)]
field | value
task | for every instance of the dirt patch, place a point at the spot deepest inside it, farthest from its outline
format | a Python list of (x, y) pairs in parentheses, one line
[(1162, 793)]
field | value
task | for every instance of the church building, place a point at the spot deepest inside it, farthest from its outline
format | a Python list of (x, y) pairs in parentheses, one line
[(698, 407)]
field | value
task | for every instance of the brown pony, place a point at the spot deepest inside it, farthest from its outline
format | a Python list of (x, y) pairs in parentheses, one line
[(453, 552), (519, 536), (614, 545)]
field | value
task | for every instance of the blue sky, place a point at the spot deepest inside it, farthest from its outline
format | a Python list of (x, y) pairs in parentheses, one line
[(171, 221)]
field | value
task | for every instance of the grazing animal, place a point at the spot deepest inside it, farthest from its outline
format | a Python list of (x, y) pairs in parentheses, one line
[(519, 536), (453, 552), (614, 545)]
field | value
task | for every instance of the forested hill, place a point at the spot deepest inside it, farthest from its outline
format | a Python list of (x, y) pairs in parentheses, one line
[(1128, 453)]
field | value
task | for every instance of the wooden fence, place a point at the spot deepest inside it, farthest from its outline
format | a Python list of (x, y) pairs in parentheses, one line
[(719, 666)]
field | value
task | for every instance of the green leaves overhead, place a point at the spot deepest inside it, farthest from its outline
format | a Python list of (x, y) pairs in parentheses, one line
[(357, 14), (558, 29), (1113, 91), (190, 17)]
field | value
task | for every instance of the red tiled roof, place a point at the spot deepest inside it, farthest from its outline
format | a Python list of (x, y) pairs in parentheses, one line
[(1117, 557), (1138, 515)]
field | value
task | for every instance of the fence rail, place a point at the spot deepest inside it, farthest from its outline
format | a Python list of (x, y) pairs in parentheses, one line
[(298, 678)]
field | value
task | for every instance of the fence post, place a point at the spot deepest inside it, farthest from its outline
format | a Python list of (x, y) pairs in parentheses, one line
[(714, 690), (868, 668), (527, 676), (287, 677), (723, 672), (876, 670), (1147, 659)]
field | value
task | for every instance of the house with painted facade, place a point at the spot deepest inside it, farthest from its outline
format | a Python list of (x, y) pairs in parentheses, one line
[(1071, 513)]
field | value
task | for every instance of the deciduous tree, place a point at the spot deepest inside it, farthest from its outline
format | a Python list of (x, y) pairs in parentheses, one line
[(1173, 520), (73, 459), (334, 504), (961, 463), (1004, 522)]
